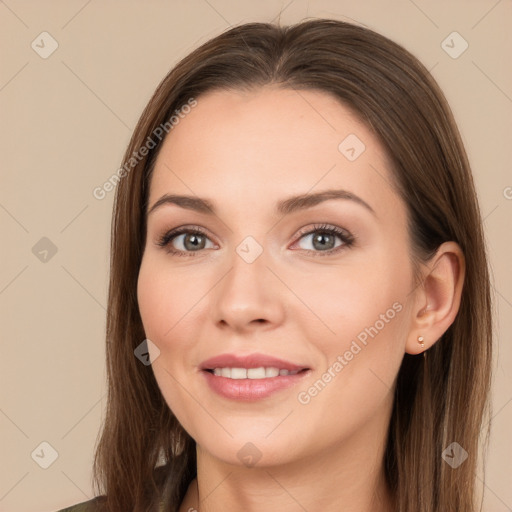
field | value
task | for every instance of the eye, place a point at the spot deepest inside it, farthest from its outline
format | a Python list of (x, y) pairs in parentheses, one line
[(323, 240), (188, 239), (192, 239)]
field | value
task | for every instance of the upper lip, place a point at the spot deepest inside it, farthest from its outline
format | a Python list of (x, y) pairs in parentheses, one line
[(249, 361)]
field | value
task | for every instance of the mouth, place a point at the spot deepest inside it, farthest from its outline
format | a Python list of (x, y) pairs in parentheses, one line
[(253, 373), (251, 377)]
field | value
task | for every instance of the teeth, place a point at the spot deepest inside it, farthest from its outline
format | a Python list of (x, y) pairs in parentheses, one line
[(271, 372), (252, 373), (238, 373), (256, 373)]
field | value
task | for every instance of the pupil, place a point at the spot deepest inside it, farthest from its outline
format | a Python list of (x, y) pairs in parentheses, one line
[(189, 241), (320, 238)]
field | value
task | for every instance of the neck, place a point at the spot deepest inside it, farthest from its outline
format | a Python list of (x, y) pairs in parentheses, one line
[(348, 477)]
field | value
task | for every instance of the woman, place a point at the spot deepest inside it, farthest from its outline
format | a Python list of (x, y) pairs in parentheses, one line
[(299, 309)]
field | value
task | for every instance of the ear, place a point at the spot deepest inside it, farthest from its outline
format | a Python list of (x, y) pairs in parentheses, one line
[(437, 297)]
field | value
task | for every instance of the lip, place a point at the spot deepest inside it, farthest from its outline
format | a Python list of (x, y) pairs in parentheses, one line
[(251, 389), (249, 361)]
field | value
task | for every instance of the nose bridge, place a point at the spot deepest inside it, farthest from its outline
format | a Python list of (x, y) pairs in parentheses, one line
[(248, 291)]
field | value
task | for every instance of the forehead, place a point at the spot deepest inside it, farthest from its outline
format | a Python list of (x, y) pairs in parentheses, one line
[(241, 146)]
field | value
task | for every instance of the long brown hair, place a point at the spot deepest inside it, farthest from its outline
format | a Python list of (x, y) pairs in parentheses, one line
[(438, 400)]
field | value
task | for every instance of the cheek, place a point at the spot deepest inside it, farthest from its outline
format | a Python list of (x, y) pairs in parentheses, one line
[(153, 299), (163, 308), (165, 299), (363, 308), (356, 301), (367, 313)]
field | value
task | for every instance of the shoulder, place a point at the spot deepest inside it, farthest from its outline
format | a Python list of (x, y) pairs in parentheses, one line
[(92, 505)]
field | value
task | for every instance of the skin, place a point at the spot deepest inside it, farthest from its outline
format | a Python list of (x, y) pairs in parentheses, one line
[(245, 151)]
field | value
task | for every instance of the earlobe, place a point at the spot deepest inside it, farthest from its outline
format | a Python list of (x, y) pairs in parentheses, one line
[(438, 297)]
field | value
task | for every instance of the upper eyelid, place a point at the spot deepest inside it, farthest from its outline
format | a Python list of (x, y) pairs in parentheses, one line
[(316, 227), (319, 226)]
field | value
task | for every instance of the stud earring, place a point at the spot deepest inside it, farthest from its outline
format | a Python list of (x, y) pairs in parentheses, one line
[(420, 341)]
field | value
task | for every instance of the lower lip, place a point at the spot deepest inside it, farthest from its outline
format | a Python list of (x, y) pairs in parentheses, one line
[(251, 389)]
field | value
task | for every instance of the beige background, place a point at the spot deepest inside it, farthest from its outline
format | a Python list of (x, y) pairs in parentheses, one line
[(66, 121)]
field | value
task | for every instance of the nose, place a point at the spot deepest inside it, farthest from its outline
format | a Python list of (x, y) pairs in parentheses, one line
[(249, 296)]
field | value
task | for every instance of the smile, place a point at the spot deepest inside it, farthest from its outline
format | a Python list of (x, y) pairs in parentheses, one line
[(244, 385), (252, 373), (250, 377)]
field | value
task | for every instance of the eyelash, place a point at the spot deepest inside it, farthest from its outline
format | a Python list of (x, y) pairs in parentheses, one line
[(347, 238)]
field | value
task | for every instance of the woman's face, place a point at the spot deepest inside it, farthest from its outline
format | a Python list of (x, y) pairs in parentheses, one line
[(267, 285)]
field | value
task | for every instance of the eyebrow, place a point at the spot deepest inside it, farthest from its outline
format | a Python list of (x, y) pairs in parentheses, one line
[(284, 207)]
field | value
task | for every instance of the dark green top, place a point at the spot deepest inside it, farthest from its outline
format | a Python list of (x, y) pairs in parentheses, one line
[(92, 506), (85, 506), (162, 475)]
